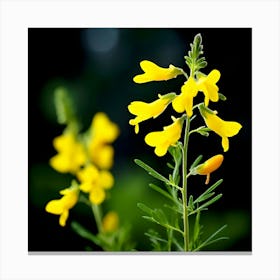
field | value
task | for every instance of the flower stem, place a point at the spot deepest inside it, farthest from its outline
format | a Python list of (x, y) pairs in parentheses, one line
[(184, 190), (97, 215)]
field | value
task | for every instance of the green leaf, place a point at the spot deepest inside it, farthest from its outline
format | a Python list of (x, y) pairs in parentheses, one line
[(161, 191), (196, 229), (196, 162), (63, 105), (151, 219), (210, 189), (83, 232), (207, 203), (190, 203), (159, 216), (151, 171), (222, 97), (174, 208), (204, 197), (145, 208), (155, 237), (210, 240)]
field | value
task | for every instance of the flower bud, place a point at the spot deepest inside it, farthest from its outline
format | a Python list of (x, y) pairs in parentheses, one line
[(209, 166)]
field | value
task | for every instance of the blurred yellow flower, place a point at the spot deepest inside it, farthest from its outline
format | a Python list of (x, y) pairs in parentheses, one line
[(63, 205), (209, 166), (102, 129), (95, 182), (145, 111), (102, 133), (161, 140), (71, 154), (207, 84), (184, 101), (110, 222), (223, 128), (153, 72)]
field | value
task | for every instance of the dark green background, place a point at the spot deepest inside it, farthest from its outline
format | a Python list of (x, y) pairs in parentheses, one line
[(102, 81)]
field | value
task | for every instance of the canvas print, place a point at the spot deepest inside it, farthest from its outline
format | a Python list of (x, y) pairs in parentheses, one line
[(139, 140)]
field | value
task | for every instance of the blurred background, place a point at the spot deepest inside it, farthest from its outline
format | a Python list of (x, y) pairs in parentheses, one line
[(96, 66)]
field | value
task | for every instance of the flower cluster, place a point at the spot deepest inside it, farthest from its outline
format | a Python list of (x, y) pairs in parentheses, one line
[(88, 157), (184, 236), (182, 103)]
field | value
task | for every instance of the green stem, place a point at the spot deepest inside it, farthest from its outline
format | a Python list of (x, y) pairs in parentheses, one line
[(184, 190), (97, 215)]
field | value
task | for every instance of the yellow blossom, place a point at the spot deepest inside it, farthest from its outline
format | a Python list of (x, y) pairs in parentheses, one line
[(161, 140), (102, 129), (63, 205), (110, 222), (209, 166), (95, 182), (207, 84), (71, 154), (184, 101), (102, 133), (145, 111), (223, 128), (153, 72)]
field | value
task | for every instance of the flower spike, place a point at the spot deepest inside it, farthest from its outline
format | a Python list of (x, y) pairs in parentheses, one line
[(153, 72)]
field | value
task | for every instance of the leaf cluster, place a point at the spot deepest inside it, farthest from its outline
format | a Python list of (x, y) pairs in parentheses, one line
[(170, 217), (117, 240)]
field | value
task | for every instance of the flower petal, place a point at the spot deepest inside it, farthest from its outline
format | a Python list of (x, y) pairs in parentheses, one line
[(55, 207), (225, 144), (63, 217), (153, 72), (97, 195), (106, 179)]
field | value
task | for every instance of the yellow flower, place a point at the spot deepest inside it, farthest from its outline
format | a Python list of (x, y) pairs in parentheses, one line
[(71, 154), (63, 205), (209, 166), (102, 133), (161, 140), (153, 72), (110, 222), (208, 86), (102, 129), (184, 101), (145, 111), (95, 182), (223, 128)]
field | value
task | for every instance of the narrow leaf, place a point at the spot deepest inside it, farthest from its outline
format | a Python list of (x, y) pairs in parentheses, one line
[(222, 97), (196, 227), (145, 208), (210, 189), (161, 191), (214, 199), (210, 237), (155, 237), (196, 162), (83, 232), (204, 197), (215, 240), (151, 171), (211, 201)]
